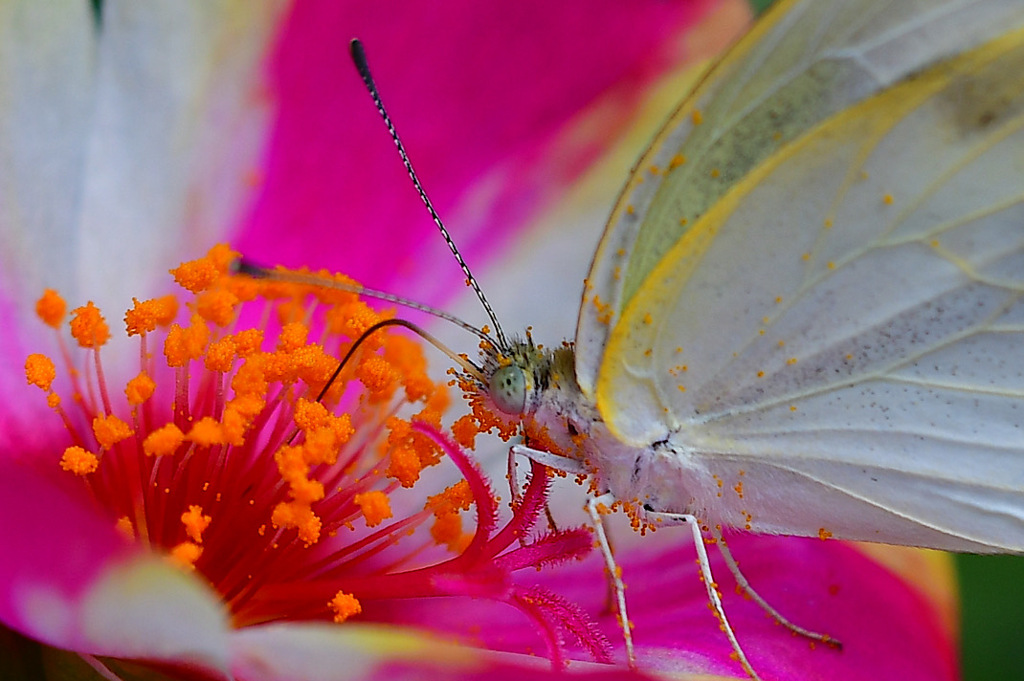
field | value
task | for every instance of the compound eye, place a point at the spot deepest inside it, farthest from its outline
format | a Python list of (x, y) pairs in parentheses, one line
[(508, 389)]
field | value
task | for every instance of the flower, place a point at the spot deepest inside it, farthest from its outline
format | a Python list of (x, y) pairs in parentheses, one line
[(143, 154), (242, 470)]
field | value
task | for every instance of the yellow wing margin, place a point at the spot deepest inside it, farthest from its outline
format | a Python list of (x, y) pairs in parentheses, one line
[(804, 61), (847, 322)]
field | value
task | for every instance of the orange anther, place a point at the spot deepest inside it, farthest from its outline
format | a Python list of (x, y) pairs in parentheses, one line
[(109, 430), (88, 326), (164, 440), (40, 371), (139, 389), (51, 308), (375, 505), (344, 606), (79, 461)]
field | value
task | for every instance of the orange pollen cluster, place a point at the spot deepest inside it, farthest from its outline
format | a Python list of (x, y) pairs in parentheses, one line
[(446, 506), (375, 506), (233, 459), (344, 606)]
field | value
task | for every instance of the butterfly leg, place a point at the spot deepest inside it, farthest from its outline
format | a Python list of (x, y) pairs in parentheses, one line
[(513, 477), (594, 505), (709, 581), (559, 463), (741, 580)]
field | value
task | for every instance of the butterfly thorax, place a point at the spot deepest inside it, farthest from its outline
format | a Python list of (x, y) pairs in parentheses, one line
[(555, 416)]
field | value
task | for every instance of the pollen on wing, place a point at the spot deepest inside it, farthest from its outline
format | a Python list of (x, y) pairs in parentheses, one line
[(218, 449)]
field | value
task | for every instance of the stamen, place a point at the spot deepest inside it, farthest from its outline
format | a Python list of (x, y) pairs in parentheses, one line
[(217, 307), (344, 606), (51, 308), (109, 430), (458, 497), (300, 517), (220, 356), (163, 441), (375, 507), (306, 488), (195, 522), (88, 326), (199, 275), (447, 531), (139, 389), (78, 461), (378, 376), (405, 452), (147, 315), (40, 371), (186, 554), (124, 526), (207, 432)]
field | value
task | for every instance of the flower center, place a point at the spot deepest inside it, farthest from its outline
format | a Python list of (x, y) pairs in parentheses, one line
[(220, 452), (243, 451)]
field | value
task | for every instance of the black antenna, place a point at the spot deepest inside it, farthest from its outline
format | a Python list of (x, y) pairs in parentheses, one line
[(359, 59), (465, 364)]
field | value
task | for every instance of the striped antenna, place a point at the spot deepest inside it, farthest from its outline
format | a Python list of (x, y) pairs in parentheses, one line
[(359, 59)]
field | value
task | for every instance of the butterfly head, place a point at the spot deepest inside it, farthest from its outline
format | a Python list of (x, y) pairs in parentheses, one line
[(531, 391), (517, 375)]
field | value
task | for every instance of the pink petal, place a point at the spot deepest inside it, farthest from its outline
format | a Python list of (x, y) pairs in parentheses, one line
[(480, 93), (70, 580), (21, 403), (890, 629)]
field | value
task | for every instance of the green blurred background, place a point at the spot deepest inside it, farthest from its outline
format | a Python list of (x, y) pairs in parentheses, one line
[(991, 605), (992, 616)]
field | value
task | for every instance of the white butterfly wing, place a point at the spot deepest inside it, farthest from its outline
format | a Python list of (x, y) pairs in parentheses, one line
[(803, 62), (845, 325)]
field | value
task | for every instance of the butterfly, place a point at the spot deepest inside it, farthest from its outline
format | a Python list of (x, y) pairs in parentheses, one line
[(806, 313), (815, 276)]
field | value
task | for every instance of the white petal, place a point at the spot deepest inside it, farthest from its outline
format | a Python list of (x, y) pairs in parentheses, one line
[(47, 65), (180, 115), (323, 652), (144, 608)]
